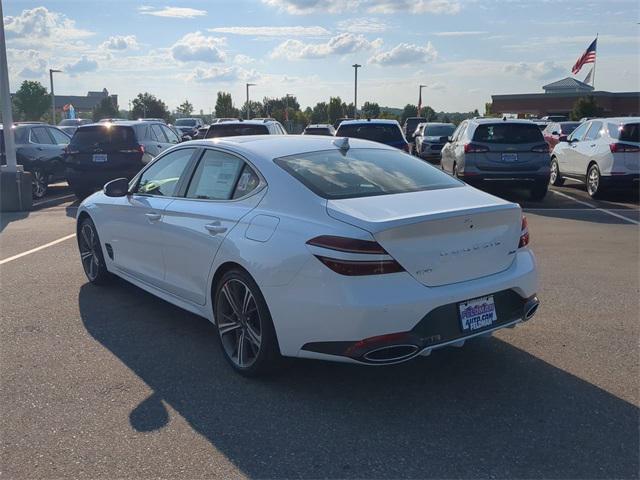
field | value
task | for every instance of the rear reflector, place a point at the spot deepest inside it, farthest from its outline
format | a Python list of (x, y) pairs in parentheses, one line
[(524, 233), (475, 148), (623, 147), (357, 267)]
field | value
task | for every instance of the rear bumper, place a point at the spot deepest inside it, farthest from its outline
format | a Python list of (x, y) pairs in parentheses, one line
[(475, 177), (629, 180)]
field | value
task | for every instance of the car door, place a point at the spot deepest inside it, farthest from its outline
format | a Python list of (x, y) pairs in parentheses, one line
[(453, 150), (447, 151), (222, 190), (45, 151), (60, 140), (587, 148), (133, 224), (172, 137), (159, 141), (568, 160)]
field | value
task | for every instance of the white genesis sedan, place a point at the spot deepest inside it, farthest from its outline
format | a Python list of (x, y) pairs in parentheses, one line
[(312, 246)]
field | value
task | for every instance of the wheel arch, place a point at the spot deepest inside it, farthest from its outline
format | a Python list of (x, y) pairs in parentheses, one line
[(220, 271)]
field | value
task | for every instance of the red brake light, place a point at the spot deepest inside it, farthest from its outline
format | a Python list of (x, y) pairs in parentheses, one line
[(542, 148), (524, 233), (474, 148), (349, 245), (623, 147)]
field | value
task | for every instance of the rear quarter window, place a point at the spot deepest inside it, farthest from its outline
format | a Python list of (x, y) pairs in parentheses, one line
[(625, 133), (515, 133)]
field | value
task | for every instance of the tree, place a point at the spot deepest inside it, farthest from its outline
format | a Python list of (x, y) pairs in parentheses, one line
[(334, 109), (320, 113), (105, 109), (428, 113), (185, 109), (586, 107), (255, 109), (31, 100), (146, 105), (224, 106), (408, 111)]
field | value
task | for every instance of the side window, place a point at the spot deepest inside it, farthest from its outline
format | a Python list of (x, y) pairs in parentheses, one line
[(59, 137), (216, 176), (162, 177), (142, 131), (594, 131), (170, 134), (157, 132), (247, 182), (614, 130), (460, 132), (39, 135), (579, 132)]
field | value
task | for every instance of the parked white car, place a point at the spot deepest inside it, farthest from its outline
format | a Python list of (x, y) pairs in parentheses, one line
[(307, 246), (603, 153)]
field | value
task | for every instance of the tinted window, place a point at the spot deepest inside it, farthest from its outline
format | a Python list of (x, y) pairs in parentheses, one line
[(459, 133), (162, 177), (514, 133), (102, 135), (158, 133), (170, 134), (363, 172), (40, 135), (438, 130), (626, 133), (594, 131), (59, 137), (378, 132), (247, 182), (567, 127), (234, 129), (579, 132), (317, 131), (185, 122), (216, 176)]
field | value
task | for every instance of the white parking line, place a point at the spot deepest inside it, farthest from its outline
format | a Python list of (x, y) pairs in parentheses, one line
[(603, 210), (55, 199), (37, 249)]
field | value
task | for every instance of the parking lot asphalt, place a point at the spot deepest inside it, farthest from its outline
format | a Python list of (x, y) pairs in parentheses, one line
[(111, 382)]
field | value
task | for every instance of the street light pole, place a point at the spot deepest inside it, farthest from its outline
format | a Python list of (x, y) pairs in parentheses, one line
[(355, 90), (286, 110), (248, 85), (53, 97), (7, 114), (420, 99)]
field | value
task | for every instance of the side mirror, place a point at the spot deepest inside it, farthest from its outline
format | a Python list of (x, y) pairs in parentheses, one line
[(117, 188), (563, 138), (186, 138)]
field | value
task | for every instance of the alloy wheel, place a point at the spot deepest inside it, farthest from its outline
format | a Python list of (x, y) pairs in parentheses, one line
[(38, 183), (239, 323), (554, 173), (88, 251), (593, 182)]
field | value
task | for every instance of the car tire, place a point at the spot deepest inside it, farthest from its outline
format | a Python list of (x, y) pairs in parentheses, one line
[(91, 255), (245, 328), (555, 177), (39, 183), (594, 181), (539, 191)]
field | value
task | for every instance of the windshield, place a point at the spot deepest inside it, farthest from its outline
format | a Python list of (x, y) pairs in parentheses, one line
[(439, 130), (233, 129), (378, 132), (514, 133), (626, 133), (185, 122), (363, 172), (101, 135)]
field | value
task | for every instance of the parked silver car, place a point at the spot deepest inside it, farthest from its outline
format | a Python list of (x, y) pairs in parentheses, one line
[(430, 138), (489, 149)]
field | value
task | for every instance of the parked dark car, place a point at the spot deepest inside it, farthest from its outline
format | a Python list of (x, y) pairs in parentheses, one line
[(409, 127), (430, 138), (101, 152), (337, 123), (556, 130), (319, 129), (188, 126), (245, 127), (74, 122), (40, 150), (382, 131)]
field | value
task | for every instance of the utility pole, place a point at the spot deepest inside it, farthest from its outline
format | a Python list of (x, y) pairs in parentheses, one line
[(286, 110), (249, 85), (53, 97), (355, 90), (420, 99)]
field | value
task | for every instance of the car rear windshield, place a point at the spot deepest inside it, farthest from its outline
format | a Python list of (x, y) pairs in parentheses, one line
[(378, 132), (508, 133), (185, 122), (101, 135), (232, 130), (627, 133), (317, 131), (439, 130), (364, 172), (568, 127)]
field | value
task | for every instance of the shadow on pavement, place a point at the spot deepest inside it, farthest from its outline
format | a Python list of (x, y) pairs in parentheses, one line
[(488, 410)]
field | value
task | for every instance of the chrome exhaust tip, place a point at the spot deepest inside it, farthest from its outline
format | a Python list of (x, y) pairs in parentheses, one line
[(391, 353), (530, 308)]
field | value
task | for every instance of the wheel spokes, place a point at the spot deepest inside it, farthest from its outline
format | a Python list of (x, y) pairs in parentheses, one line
[(231, 299)]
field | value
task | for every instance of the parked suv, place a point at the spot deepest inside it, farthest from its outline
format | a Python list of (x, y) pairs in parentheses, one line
[(40, 150), (489, 149), (188, 126), (430, 138), (603, 153), (382, 131), (100, 152), (245, 127)]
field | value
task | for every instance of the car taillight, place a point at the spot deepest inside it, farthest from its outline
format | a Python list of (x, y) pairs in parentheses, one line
[(136, 149), (623, 147), (524, 233), (474, 148), (542, 148), (358, 264)]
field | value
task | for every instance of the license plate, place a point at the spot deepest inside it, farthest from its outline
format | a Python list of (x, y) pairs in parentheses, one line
[(509, 157), (99, 157), (477, 314)]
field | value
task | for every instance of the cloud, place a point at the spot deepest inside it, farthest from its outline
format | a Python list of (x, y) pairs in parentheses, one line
[(362, 25), (196, 47), (438, 7), (537, 71), (459, 34), (241, 59), (120, 42), (294, 31), (405, 54), (83, 65), (172, 12), (34, 65), (39, 23), (341, 44), (303, 7), (222, 74)]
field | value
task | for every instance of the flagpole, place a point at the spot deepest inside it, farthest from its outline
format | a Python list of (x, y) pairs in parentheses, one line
[(593, 77)]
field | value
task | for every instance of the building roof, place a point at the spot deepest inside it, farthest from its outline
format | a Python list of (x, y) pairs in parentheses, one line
[(597, 93), (568, 83)]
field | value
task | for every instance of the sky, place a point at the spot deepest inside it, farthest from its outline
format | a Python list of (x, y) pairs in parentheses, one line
[(462, 50)]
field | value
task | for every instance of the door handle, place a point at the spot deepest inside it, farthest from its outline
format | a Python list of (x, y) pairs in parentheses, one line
[(152, 217), (215, 228)]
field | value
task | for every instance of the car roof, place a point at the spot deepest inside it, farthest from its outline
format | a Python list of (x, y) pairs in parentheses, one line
[(624, 120), (482, 121), (438, 123), (243, 122), (319, 125), (369, 121)]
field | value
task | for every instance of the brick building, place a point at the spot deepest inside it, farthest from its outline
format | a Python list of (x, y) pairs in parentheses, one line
[(83, 105)]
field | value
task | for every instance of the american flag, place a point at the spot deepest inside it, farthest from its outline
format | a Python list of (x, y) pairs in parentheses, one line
[(589, 56)]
